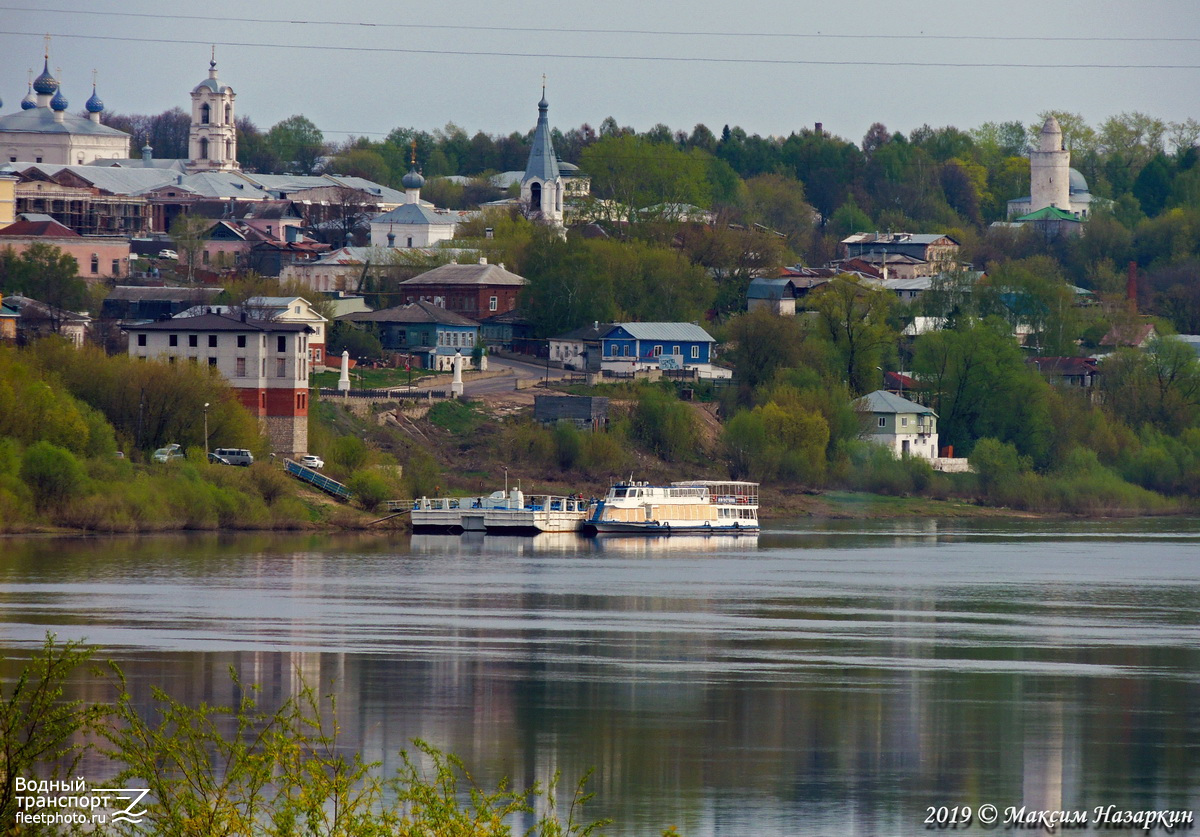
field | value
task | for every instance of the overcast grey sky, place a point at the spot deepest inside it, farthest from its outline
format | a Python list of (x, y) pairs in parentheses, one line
[(768, 65)]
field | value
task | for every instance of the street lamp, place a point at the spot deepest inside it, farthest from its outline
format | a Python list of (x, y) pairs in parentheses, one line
[(205, 431)]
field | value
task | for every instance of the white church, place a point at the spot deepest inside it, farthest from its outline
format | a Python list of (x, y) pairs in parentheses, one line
[(44, 132), (1052, 181)]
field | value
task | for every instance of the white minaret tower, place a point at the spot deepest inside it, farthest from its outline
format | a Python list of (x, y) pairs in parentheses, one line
[(1050, 170), (542, 185), (212, 141)]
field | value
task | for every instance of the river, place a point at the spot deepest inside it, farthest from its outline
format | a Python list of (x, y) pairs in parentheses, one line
[(821, 678)]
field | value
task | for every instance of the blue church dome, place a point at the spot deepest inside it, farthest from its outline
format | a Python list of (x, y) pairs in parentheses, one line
[(94, 105), (30, 100), (59, 102), (45, 83), (412, 180)]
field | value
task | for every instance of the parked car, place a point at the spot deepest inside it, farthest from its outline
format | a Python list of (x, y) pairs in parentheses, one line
[(312, 461), (235, 456), (217, 460), (168, 453), (168, 254)]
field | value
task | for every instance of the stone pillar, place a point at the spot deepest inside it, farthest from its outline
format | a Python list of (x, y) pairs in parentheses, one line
[(344, 380), (456, 385)]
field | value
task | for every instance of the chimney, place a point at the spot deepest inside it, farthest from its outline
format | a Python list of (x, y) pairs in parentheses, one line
[(243, 316)]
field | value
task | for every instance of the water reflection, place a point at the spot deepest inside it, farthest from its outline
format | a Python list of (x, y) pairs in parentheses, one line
[(830, 679)]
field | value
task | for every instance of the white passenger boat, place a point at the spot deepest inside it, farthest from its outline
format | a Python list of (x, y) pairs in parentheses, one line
[(499, 512), (698, 506)]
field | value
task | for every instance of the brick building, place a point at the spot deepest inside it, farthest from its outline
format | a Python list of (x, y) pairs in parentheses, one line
[(265, 361), (476, 291)]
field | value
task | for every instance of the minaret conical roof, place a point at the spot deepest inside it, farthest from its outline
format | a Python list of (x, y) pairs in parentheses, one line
[(543, 162)]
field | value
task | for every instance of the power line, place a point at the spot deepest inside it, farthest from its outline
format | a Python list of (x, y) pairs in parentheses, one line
[(922, 36), (808, 62)]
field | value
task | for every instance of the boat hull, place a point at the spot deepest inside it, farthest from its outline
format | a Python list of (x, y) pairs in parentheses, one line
[(617, 527)]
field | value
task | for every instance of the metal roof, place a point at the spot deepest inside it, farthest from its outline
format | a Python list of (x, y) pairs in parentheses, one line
[(881, 401), (664, 331), (45, 121), (543, 162), (413, 214), (416, 312), (219, 322), (764, 288), (466, 274)]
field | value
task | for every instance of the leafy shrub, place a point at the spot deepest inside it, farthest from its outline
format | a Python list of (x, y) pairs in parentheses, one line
[(664, 424), (52, 474), (568, 445), (369, 489)]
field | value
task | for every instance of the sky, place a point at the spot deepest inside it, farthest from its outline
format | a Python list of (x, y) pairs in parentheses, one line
[(364, 67)]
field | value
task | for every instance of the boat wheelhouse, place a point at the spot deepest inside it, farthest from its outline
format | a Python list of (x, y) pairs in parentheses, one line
[(695, 506)]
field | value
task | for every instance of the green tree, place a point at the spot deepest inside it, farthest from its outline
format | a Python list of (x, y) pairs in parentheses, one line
[(979, 385), (1159, 386), (638, 180), (761, 343), (854, 318), (297, 143), (47, 274), (188, 234)]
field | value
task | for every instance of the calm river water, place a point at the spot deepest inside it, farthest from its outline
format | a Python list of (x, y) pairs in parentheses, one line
[(819, 679)]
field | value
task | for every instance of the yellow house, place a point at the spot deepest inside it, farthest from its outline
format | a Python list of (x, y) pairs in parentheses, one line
[(8, 199)]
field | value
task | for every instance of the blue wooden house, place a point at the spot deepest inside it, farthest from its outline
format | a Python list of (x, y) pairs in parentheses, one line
[(424, 330), (629, 347)]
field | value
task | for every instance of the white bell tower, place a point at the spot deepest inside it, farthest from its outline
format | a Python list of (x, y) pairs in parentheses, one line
[(212, 141)]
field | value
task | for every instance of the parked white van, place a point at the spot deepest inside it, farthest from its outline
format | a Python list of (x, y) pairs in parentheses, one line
[(235, 456)]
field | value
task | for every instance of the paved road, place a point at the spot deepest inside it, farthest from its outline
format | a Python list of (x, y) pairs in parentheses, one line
[(506, 383)]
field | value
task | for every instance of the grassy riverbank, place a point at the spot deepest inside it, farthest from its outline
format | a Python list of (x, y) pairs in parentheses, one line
[(66, 416)]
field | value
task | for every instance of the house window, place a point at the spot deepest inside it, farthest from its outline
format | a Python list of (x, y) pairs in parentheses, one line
[(297, 309), (204, 115), (317, 355), (170, 358), (204, 257), (281, 344), (239, 367), (203, 149), (193, 341), (173, 340), (904, 421), (882, 421), (193, 360), (281, 367), (657, 351), (695, 352), (141, 340), (410, 241), (212, 341), (675, 350), (212, 361), (493, 303), (95, 263), (241, 341)]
